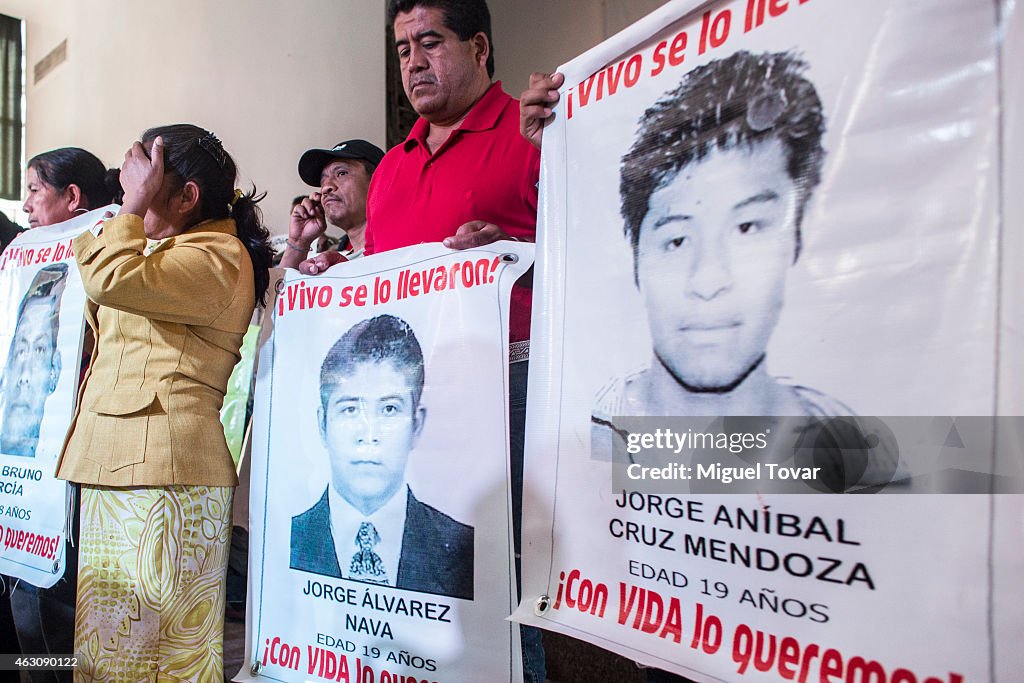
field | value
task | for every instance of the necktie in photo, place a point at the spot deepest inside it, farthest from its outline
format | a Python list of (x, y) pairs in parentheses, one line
[(366, 564)]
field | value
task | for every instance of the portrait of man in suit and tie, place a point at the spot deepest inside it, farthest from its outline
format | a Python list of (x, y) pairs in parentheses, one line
[(33, 362), (368, 526)]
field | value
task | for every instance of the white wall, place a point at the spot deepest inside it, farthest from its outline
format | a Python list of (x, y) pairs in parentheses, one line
[(539, 35), (270, 78)]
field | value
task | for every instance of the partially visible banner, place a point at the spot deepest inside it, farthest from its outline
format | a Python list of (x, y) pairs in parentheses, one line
[(760, 208), (42, 303), (380, 522), (238, 398)]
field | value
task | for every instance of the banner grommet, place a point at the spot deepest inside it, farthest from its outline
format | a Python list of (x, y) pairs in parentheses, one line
[(542, 605)]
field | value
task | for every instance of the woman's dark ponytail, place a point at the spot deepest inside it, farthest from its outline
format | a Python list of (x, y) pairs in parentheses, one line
[(112, 181), (256, 238)]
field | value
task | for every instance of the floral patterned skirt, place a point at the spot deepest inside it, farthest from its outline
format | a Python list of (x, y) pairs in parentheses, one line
[(151, 573)]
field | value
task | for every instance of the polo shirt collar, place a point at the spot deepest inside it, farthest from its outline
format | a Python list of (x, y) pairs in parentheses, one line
[(482, 116)]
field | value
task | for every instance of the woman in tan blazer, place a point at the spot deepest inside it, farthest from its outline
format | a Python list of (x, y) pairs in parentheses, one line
[(146, 443)]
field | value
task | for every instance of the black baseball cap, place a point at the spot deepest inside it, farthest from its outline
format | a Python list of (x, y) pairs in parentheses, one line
[(312, 162)]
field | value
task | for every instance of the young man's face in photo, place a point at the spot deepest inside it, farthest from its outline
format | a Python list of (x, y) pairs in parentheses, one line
[(711, 262), (29, 378), (370, 425)]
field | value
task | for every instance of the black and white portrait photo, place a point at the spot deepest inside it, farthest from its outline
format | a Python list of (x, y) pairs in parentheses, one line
[(368, 525), (380, 462), (713, 193), (779, 221), (33, 364)]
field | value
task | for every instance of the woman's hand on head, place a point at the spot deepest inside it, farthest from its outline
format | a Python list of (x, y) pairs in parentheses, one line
[(142, 177)]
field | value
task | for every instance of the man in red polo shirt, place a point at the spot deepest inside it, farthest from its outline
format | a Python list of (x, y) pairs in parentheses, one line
[(464, 177)]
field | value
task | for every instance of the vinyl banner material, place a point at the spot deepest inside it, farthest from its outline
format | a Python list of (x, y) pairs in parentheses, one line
[(234, 412), (41, 322), (766, 208), (380, 515)]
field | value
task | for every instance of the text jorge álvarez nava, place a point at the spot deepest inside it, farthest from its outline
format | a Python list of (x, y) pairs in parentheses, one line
[(661, 615), (336, 658)]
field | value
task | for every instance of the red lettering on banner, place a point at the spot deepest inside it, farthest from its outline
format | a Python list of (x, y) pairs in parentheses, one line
[(278, 652), (652, 614), (633, 69), (612, 76), (759, 11), (780, 656), (585, 89), (327, 665), (766, 652), (353, 295), (22, 257), (312, 294), (676, 53), (30, 542), (582, 594), (715, 30)]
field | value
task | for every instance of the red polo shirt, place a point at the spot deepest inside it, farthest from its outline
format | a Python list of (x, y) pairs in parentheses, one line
[(484, 171)]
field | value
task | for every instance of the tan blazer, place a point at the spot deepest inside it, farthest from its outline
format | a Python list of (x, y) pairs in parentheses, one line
[(168, 328)]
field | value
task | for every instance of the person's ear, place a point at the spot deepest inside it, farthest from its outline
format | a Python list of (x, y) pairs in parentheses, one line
[(321, 421), (419, 417), (481, 48), (73, 196), (189, 198), (55, 367)]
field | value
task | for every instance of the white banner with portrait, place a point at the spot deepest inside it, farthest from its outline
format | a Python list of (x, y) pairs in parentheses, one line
[(42, 305), (380, 523), (776, 208)]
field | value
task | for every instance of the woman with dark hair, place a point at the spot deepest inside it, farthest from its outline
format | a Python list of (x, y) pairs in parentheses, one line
[(61, 183), (146, 443), (66, 181)]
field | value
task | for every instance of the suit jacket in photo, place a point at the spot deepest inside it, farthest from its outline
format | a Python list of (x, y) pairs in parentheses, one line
[(437, 551)]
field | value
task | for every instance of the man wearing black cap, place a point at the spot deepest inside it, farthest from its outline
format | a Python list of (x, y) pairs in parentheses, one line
[(342, 174)]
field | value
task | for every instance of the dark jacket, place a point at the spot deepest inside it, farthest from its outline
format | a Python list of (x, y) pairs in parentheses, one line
[(437, 551)]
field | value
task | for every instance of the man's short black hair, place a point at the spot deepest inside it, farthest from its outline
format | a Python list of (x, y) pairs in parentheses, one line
[(48, 286), (375, 340), (738, 101), (464, 18), (46, 289)]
